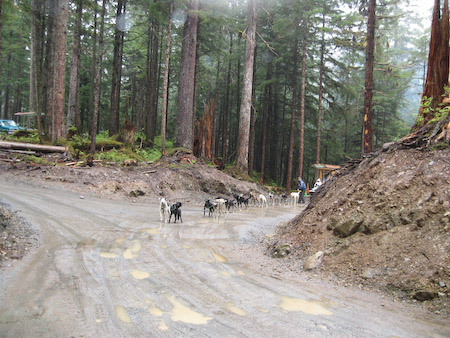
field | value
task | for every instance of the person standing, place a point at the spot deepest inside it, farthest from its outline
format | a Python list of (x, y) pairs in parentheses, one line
[(301, 189)]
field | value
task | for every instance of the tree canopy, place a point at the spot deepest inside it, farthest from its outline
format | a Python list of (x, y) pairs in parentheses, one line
[(332, 36)]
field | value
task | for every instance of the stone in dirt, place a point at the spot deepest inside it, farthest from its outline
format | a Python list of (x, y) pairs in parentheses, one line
[(313, 261), (425, 295)]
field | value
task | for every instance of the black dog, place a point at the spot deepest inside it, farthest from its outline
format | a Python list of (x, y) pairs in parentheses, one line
[(176, 211), (208, 206), (230, 204)]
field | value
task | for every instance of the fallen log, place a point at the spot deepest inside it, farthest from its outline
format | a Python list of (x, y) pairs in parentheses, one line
[(31, 146), (26, 152)]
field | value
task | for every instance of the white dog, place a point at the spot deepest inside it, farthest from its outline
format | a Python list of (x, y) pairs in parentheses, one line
[(262, 200), (295, 195), (220, 206), (164, 210)]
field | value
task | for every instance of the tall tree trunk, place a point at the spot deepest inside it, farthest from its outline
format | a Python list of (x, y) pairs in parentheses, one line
[(213, 113), (152, 81), (98, 77), (438, 62), (267, 109), (368, 87), (36, 62), (275, 128), (93, 70), (141, 94), (1, 25), (185, 117), (196, 74), (246, 101), (302, 113), (73, 109), (251, 146), (227, 102), (166, 82), (62, 16), (9, 59), (319, 112), (49, 72), (133, 91), (117, 70), (292, 130), (281, 142)]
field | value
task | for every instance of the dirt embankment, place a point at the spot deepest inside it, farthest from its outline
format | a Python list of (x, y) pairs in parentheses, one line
[(182, 177), (385, 225)]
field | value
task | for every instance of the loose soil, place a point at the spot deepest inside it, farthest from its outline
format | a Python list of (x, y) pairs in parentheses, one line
[(383, 225)]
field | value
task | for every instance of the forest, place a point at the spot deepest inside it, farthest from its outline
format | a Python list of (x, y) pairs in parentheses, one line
[(176, 72)]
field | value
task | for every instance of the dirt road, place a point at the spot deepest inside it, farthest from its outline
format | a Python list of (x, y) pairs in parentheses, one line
[(112, 269)]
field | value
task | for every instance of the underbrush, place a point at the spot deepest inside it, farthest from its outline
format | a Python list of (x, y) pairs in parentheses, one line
[(108, 148)]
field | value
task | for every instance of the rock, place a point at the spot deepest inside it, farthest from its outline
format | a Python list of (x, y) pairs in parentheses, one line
[(331, 224), (425, 295), (347, 227), (369, 273), (313, 261), (130, 162), (281, 251), (136, 193)]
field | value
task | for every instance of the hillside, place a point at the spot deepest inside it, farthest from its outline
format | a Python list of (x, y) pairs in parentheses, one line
[(382, 225)]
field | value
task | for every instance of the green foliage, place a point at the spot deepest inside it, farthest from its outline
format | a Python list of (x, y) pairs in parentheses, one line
[(113, 155), (158, 143), (439, 113), (37, 160), (26, 136), (440, 146), (149, 154)]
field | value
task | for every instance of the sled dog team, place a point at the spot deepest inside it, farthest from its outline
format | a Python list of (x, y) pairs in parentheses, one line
[(219, 205)]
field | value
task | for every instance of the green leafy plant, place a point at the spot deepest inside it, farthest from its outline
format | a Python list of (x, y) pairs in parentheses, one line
[(37, 160), (439, 113), (113, 155), (149, 154)]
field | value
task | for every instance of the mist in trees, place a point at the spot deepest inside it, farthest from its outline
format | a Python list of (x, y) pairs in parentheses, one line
[(304, 105)]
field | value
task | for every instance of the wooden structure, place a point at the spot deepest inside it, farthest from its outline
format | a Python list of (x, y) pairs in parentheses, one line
[(324, 170)]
